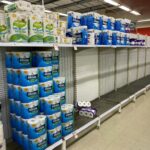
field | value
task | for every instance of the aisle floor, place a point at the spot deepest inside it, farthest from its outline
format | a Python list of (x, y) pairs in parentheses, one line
[(129, 130)]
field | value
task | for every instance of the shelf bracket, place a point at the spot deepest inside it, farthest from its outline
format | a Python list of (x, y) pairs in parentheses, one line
[(64, 145), (120, 109), (99, 123)]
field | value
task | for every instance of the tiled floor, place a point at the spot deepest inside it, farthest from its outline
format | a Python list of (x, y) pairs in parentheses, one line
[(129, 130)]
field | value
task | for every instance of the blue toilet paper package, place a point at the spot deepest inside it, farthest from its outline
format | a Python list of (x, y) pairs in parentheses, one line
[(118, 25), (29, 93), (38, 143), (91, 20), (17, 108), (54, 135), (24, 126), (29, 110), (114, 38), (9, 76), (118, 38), (25, 142), (104, 22), (80, 35), (51, 105), (11, 106), (107, 37), (45, 74), (42, 58), (18, 123), (19, 137), (12, 120), (67, 112), (16, 90), (46, 88), (53, 120), (15, 76), (21, 60), (111, 24), (55, 57), (14, 134), (62, 97), (36, 126), (55, 70), (10, 91), (8, 59), (67, 128), (59, 84), (28, 77), (73, 19)]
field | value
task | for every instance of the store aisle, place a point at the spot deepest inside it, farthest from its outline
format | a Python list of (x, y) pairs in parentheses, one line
[(129, 130)]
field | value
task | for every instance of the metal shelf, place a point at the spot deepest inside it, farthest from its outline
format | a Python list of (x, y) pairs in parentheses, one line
[(3, 44)]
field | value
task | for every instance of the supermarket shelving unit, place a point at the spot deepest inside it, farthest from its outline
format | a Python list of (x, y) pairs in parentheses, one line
[(106, 104)]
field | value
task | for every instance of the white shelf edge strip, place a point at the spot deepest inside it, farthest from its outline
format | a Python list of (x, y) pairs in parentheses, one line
[(2, 44), (54, 145), (125, 101)]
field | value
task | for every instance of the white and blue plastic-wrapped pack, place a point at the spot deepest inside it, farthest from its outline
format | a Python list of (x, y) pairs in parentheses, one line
[(28, 93), (29, 110), (45, 74), (45, 89), (104, 22), (62, 97), (28, 77), (107, 37), (42, 58), (15, 76), (111, 23), (10, 91), (21, 60), (73, 19), (36, 126), (55, 57), (39, 143), (53, 120), (15, 91), (127, 25), (55, 70), (8, 59), (59, 84), (52, 105), (17, 108), (91, 20), (80, 35), (54, 135), (9, 76), (67, 112), (67, 127), (25, 142)]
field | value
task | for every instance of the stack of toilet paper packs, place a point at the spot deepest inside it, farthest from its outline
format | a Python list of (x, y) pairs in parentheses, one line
[(24, 22), (39, 114)]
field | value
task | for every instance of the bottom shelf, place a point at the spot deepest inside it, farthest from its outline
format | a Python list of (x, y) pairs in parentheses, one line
[(104, 104)]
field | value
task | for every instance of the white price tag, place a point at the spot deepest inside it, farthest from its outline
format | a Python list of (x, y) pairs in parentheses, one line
[(75, 48), (56, 48)]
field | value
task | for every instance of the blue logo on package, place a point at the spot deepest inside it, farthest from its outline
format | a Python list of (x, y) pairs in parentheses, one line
[(46, 88), (42, 58), (54, 135), (9, 76), (59, 84), (67, 128), (16, 90), (12, 120), (15, 76), (24, 126), (36, 126), (45, 74), (8, 59), (10, 91), (21, 60), (67, 112), (25, 142), (11, 106), (29, 93), (55, 57), (62, 97), (51, 105), (17, 107), (73, 19), (39, 143), (29, 110), (54, 120), (18, 123), (55, 70), (28, 76)]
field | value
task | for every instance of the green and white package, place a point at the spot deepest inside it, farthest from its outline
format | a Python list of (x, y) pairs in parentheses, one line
[(35, 28), (3, 27), (49, 36), (17, 23)]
